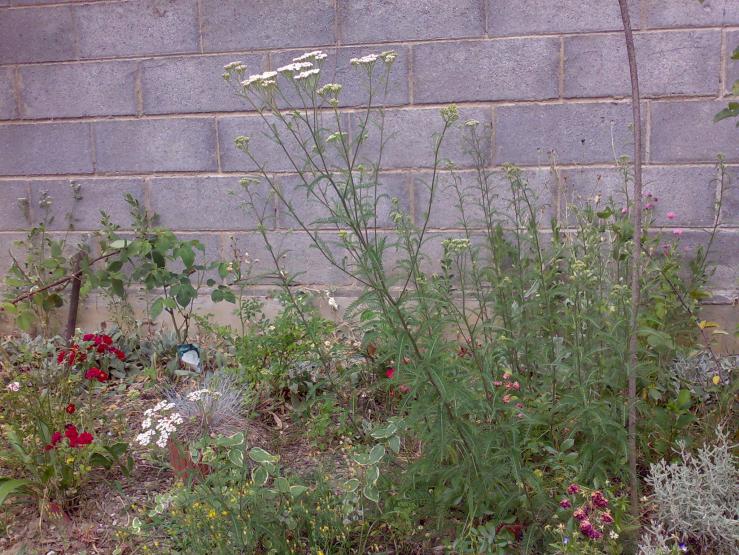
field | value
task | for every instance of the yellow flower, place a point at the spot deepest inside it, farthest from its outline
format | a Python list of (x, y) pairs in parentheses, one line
[(716, 379), (212, 513), (70, 460)]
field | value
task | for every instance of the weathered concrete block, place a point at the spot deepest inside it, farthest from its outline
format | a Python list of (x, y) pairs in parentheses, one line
[(14, 213), (685, 13), (32, 35), (193, 84), (528, 17), (100, 194), (732, 66), (310, 210), (337, 68), (265, 150), (133, 146), (298, 255), (486, 70), (137, 27), (464, 191), (730, 202), (50, 148), (685, 131), (723, 257), (670, 63), (578, 133), (245, 24), (76, 90), (205, 203), (8, 108), (392, 20), (409, 142)]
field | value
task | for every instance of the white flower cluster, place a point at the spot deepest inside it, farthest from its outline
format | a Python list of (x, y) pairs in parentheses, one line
[(329, 88), (13, 386), (307, 73), (294, 67), (155, 423), (261, 79), (316, 56), (364, 60), (198, 394)]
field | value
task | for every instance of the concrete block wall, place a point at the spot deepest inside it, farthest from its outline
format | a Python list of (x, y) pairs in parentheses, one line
[(127, 96)]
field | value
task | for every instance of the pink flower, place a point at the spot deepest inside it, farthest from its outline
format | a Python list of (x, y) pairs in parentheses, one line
[(565, 504), (516, 386), (624, 210), (677, 232), (606, 518), (670, 215), (506, 376), (519, 405), (506, 399), (497, 384), (573, 489), (580, 514), (648, 206), (389, 373)]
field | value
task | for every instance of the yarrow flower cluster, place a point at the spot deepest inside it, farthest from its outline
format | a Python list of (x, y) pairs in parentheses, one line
[(307, 73), (294, 67), (592, 513), (198, 394), (158, 424), (364, 60), (316, 56), (260, 79)]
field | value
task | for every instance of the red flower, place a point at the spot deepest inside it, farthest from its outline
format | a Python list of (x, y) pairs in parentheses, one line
[(70, 408), (85, 438), (48, 447), (606, 518), (120, 355), (580, 514), (96, 374), (389, 373), (404, 389), (599, 500), (506, 399), (106, 339), (56, 437), (88, 337)]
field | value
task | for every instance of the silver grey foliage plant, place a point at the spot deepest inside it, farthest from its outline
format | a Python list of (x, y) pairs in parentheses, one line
[(698, 497)]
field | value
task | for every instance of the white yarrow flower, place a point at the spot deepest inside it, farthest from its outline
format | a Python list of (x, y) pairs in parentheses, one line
[(307, 73), (295, 66), (364, 60), (315, 55), (333, 304)]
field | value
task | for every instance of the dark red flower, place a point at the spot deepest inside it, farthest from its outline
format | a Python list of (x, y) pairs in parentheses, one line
[(56, 437), (88, 337), (120, 355), (96, 374), (48, 447), (106, 339), (85, 438), (70, 408), (573, 489), (606, 518), (390, 372), (599, 500), (565, 504), (580, 514)]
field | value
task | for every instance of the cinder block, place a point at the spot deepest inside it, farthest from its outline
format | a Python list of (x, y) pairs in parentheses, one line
[(520, 69), (137, 27), (311, 211), (732, 66), (14, 214), (685, 13), (76, 90), (465, 190), (671, 63), (529, 17), (133, 146), (409, 141), (577, 133), (50, 148), (298, 255), (8, 108), (100, 194), (206, 203), (393, 20), (33, 35), (337, 68), (246, 24), (193, 84), (723, 256), (268, 153), (685, 131), (730, 200)]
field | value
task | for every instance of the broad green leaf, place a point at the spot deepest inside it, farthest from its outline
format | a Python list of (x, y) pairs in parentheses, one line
[(351, 485), (259, 455), (282, 485), (394, 444), (376, 454), (371, 493), (236, 456), (259, 476), (386, 432), (11, 486), (297, 491), (373, 473)]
